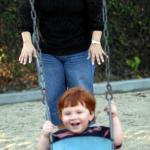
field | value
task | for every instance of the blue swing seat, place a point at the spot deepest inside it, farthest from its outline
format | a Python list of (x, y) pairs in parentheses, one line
[(83, 143)]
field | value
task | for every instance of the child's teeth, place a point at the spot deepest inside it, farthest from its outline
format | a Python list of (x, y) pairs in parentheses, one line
[(75, 124)]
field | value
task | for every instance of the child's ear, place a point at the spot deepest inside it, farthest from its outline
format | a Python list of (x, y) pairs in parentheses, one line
[(92, 115)]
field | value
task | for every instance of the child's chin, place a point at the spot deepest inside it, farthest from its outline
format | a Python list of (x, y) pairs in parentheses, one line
[(77, 131)]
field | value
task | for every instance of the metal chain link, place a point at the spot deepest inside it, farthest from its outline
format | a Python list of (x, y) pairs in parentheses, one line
[(107, 50), (109, 95), (39, 64), (35, 38)]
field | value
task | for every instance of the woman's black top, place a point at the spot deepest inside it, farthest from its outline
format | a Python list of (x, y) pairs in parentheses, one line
[(65, 25)]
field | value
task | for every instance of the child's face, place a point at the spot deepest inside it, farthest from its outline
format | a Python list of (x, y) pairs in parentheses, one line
[(76, 119)]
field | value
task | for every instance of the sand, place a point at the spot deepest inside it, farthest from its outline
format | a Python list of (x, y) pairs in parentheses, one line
[(20, 124)]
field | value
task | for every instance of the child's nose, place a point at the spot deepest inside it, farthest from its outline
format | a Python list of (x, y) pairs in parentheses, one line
[(74, 116)]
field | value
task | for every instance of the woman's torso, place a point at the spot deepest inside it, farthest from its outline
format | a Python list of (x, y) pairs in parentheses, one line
[(63, 26)]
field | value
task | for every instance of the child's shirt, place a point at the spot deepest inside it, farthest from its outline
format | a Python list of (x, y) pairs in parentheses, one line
[(98, 131)]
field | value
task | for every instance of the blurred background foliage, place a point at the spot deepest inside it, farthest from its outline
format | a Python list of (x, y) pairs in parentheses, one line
[(129, 40)]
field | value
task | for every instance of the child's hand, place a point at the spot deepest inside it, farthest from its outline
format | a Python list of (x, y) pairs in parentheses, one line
[(47, 128), (113, 109)]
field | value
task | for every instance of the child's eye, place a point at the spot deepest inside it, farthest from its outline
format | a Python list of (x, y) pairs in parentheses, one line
[(79, 112), (67, 113)]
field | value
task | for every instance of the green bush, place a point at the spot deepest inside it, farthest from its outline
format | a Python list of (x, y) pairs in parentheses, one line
[(129, 28)]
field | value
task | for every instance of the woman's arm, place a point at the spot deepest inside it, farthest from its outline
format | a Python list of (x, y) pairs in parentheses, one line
[(28, 50), (24, 22), (94, 14), (96, 51), (25, 28), (95, 20)]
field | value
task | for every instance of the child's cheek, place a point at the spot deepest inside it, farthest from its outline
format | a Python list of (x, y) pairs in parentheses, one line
[(64, 119)]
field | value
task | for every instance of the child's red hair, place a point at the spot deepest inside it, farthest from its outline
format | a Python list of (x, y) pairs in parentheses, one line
[(75, 96)]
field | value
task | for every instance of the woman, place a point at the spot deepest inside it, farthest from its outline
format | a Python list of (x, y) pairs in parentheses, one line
[(70, 34)]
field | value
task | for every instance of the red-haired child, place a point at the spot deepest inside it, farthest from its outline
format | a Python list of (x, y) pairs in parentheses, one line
[(77, 109)]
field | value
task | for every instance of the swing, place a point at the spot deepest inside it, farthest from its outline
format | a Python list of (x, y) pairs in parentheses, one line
[(83, 143), (89, 142)]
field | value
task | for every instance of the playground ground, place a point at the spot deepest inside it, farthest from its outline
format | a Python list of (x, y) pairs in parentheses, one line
[(20, 124)]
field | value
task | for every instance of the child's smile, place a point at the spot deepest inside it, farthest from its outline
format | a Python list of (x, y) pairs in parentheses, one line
[(76, 119)]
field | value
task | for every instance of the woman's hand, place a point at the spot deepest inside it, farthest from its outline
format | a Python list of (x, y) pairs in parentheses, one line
[(28, 51), (97, 53)]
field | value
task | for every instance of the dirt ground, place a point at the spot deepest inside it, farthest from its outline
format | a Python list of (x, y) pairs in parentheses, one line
[(20, 124)]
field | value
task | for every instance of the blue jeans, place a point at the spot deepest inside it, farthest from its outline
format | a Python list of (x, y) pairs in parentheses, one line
[(62, 72)]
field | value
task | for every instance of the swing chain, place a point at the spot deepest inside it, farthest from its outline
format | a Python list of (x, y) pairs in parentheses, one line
[(39, 65), (36, 39), (109, 95)]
